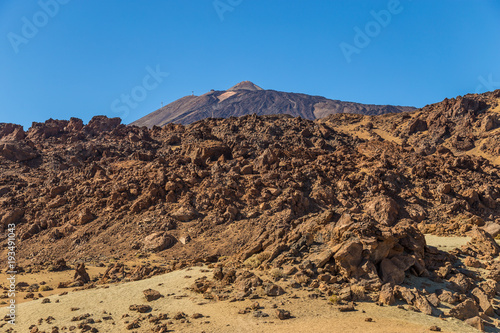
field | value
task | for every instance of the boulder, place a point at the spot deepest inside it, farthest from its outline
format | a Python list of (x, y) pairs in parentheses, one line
[(142, 308), (59, 265), (185, 214), (476, 322), (348, 258), (465, 310), (404, 294), (102, 124), (460, 283), (488, 123), (81, 276), (266, 159), (483, 301), (152, 295), (158, 241), (12, 217), (282, 314), (472, 262), (247, 170), (383, 209), (393, 270), (208, 149), (74, 125), (386, 295), (492, 228), (417, 213), (481, 243), (422, 304), (448, 297), (85, 216), (17, 151), (444, 188), (11, 132), (390, 273), (272, 289), (433, 300), (321, 258)]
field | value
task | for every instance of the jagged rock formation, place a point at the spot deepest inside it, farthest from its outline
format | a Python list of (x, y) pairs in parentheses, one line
[(246, 98), (466, 125)]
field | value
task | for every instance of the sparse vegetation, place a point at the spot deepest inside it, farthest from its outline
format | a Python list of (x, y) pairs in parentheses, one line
[(277, 274), (333, 300), (257, 259), (44, 288)]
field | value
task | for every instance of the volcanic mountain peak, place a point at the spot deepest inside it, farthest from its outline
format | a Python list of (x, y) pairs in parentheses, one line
[(247, 98), (245, 85)]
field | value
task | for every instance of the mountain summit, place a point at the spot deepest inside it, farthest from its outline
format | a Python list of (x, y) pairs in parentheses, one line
[(245, 85), (247, 98)]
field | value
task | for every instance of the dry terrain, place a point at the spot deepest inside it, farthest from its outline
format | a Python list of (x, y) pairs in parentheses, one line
[(306, 218)]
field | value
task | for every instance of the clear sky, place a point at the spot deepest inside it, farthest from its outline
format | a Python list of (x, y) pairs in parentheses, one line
[(79, 58)]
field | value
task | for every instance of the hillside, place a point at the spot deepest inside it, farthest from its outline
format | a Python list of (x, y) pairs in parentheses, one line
[(335, 208)]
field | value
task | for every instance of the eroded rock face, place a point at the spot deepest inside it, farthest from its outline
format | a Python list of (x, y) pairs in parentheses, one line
[(11, 132), (99, 124), (16, 151)]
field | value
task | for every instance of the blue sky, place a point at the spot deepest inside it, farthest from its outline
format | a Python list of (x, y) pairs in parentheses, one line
[(83, 58)]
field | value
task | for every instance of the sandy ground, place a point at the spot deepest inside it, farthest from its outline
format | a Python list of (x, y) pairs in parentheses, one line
[(51, 279), (108, 304), (311, 315), (446, 243)]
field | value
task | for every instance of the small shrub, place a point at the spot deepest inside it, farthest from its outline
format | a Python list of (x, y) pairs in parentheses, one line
[(44, 288), (333, 300), (257, 259), (277, 274)]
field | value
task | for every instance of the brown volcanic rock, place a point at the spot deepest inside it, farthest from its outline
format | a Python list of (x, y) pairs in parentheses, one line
[(158, 242), (11, 217), (208, 149), (152, 295), (383, 209), (11, 132), (465, 310), (81, 275), (16, 151), (277, 191), (100, 124), (482, 244)]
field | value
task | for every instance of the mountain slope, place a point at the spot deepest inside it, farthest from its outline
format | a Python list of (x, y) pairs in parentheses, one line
[(247, 98), (466, 125)]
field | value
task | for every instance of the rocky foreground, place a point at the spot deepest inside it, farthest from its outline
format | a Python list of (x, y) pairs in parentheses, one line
[(337, 207)]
